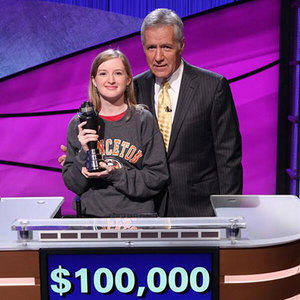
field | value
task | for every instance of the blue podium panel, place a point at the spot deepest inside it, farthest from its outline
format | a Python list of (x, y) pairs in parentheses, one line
[(177, 273), (153, 257)]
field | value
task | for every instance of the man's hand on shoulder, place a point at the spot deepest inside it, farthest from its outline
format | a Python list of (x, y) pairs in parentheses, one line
[(62, 158)]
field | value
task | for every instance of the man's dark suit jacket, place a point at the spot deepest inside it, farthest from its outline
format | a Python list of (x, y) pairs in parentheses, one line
[(204, 155)]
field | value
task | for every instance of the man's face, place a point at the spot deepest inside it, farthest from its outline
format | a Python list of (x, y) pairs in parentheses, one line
[(162, 51)]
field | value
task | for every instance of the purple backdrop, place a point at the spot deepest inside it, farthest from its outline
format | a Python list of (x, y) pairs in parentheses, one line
[(232, 42)]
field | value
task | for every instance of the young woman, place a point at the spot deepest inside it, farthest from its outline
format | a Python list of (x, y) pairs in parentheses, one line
[(131, 144)]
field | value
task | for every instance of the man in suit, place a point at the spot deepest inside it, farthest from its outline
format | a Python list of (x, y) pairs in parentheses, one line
[(204, 143), (201, 134)]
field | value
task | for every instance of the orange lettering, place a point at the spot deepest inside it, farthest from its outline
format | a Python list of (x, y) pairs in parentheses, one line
[(100, 146), (137, 156), (116, 147), (124, 145), (130, 152), (107, 150)]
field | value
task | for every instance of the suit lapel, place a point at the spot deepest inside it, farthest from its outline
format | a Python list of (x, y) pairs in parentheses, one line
[(148, 89), (187, 89)]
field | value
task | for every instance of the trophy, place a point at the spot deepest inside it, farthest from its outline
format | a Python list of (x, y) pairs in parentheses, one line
[(87, 113)]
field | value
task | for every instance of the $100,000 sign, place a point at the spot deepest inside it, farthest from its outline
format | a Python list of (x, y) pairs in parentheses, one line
[(132, 274)]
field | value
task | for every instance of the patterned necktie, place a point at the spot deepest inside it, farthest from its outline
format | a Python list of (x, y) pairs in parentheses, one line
[(164, 114)]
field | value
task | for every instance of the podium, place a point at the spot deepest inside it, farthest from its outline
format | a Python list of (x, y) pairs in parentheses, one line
[(250, 250)]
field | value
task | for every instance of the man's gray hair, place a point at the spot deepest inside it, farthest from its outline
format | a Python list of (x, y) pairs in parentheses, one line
[(163, 16)]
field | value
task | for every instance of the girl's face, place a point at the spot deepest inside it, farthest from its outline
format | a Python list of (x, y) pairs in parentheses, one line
[(111, 80)]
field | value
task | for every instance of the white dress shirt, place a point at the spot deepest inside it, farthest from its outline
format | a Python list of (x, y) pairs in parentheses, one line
[(174, 81)]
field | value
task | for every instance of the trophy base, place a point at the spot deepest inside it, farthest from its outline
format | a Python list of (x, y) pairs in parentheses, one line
[(92, 161)]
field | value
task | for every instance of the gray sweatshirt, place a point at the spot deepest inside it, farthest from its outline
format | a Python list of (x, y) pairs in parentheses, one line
[(135, 146)]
